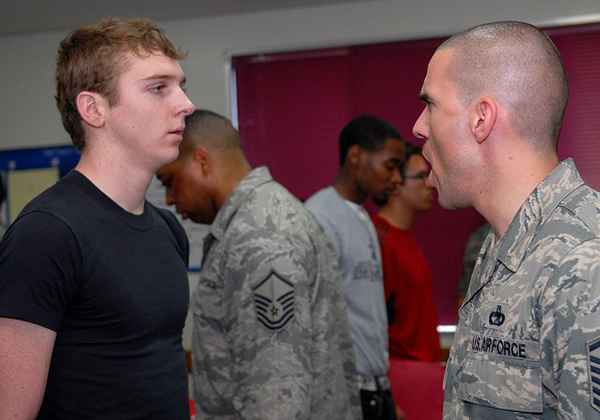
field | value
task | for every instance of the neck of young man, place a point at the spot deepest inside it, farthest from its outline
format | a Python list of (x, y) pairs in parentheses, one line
[(125, 184)]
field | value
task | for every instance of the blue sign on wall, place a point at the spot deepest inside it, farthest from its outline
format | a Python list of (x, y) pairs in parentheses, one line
[(63, 157)]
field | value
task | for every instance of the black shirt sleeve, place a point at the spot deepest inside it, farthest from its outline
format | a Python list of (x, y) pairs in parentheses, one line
[(39, 261)]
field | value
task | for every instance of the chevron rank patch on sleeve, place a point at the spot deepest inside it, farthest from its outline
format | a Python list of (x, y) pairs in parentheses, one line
[(274, 301), (593, 348)]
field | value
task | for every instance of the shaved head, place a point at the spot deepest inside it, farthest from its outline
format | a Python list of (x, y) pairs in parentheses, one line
[(211, 131), (210, 165), (520, 67)]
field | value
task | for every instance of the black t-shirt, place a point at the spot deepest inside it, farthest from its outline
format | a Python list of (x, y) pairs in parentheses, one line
[(114, 287)]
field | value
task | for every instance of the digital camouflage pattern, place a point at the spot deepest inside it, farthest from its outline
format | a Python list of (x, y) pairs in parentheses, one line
[(271, 337), (472, 249), (524, 347)]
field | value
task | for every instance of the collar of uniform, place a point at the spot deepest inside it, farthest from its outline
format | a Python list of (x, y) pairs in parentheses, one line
[(254, 179), (536, 208)]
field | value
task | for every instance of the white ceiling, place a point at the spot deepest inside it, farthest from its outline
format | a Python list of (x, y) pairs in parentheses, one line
[(26, 16)]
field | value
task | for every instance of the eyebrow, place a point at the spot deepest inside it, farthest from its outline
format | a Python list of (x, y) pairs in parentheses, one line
[(165, 77)]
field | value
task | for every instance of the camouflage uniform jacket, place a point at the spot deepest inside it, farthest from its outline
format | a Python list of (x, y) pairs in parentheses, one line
[(270, 338), (528, 340), (472, 249)]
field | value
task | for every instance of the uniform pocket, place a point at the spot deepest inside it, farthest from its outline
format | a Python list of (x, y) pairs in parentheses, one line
[(502, 382)]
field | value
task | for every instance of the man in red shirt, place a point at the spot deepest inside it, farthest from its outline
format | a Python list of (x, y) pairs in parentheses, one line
[(407, 277)]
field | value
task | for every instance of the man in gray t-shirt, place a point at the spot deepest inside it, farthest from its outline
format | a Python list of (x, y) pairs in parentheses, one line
[(371, 154)]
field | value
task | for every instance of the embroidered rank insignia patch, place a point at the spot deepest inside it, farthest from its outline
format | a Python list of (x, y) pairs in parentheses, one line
[(274, 301), (593, 348), (497, 317)]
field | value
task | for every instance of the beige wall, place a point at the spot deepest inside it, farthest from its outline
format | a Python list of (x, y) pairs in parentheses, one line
[(28, 116)]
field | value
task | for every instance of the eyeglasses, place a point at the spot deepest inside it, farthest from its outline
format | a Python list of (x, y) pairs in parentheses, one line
[(418, 175)]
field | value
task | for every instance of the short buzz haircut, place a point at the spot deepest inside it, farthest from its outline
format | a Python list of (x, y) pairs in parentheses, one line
[(211, 130), (367, 132), (520, 66), (93, 57)]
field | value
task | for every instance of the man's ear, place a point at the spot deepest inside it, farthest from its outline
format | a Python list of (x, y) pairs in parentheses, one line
[(92, 108), (353, 155), (202, 160), (483, 118)]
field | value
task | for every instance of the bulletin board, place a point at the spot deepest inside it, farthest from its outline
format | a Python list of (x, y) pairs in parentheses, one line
[(27, 172)]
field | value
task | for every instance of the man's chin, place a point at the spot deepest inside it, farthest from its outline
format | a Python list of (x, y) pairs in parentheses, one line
[(450, 204), (380, 199)]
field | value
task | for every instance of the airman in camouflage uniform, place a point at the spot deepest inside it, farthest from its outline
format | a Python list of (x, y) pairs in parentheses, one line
[(527, 325), (528, 339), (271, 337)]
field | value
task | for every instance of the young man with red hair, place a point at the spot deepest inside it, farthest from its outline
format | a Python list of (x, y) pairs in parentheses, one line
[(94, 289)]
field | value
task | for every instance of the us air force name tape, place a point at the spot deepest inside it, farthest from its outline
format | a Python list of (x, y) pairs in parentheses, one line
[(500, 346)]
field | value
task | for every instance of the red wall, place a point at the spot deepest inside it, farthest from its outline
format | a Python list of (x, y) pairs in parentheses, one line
[(292, 107)]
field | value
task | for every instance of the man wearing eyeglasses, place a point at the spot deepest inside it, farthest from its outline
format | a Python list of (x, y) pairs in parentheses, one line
[(406, 274)]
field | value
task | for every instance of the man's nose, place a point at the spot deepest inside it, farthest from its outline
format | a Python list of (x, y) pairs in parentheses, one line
[(420, 129), (186, 107)]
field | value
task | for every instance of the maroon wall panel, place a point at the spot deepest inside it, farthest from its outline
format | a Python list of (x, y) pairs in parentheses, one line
[(292, 106)]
